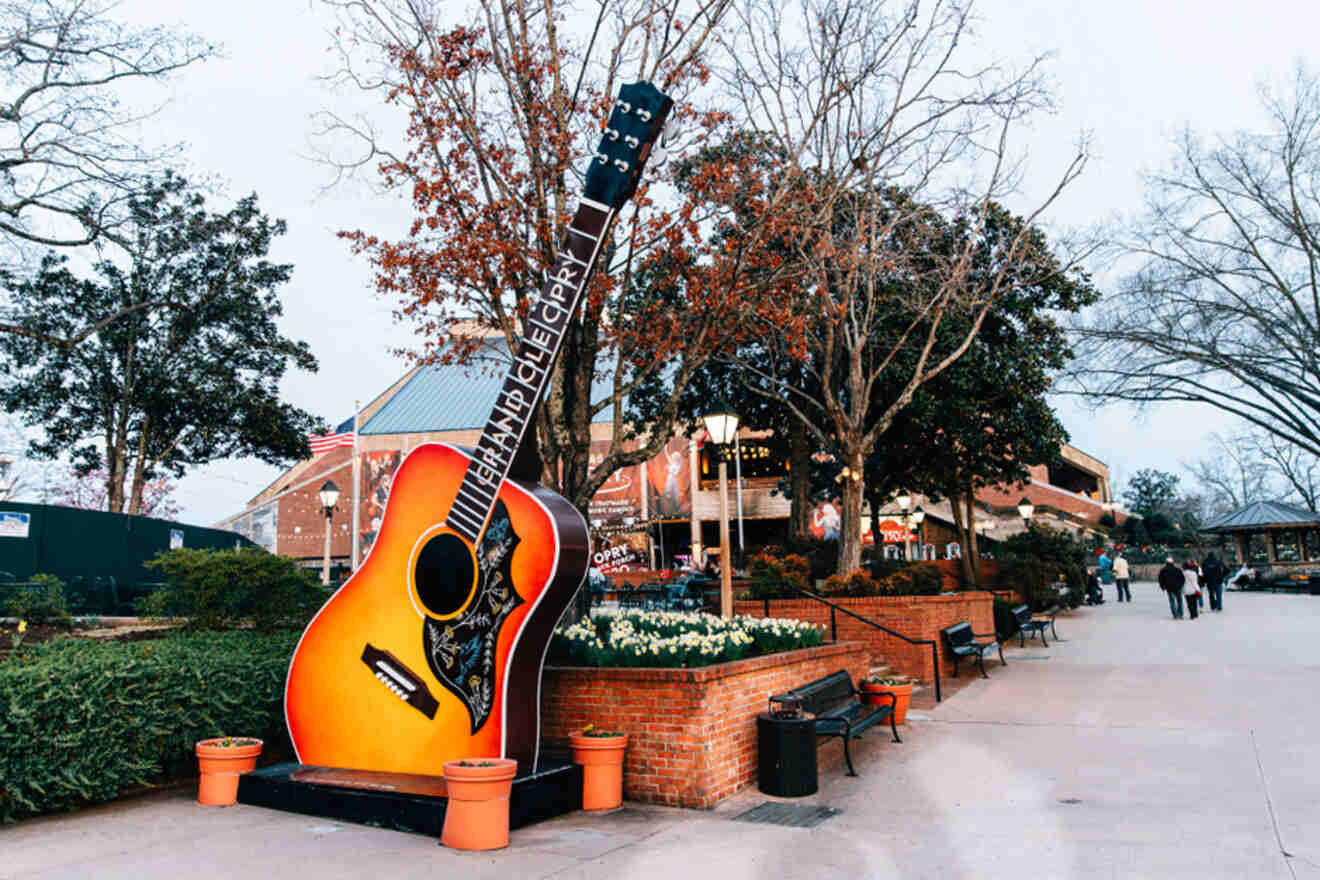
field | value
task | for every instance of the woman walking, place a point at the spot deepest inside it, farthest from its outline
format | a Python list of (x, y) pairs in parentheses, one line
[(1192, 586)]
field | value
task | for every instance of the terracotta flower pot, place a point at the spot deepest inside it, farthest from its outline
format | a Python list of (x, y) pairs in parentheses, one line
[(902, 696), (221, 765), (601, 758), (477, 815)]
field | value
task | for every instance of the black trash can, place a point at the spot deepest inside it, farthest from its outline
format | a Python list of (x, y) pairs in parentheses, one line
[(786, 754)]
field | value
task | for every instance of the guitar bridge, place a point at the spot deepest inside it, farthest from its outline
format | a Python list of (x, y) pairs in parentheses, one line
[(399, 680)]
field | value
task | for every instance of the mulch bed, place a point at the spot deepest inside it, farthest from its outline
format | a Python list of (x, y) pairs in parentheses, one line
[(40, 633)]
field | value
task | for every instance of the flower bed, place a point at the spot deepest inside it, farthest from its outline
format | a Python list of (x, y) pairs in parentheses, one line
[(664, 639)]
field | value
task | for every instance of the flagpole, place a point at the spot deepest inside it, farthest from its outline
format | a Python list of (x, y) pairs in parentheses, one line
[(357, 488)]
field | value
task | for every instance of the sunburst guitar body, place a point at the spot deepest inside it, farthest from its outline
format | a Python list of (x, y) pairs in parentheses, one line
[(432, 650), (410, 665)]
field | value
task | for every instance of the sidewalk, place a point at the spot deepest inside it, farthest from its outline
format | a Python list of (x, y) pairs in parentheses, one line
[(1137, 746)]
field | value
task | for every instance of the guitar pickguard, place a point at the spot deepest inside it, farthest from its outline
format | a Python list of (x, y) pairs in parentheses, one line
[(461, 652)]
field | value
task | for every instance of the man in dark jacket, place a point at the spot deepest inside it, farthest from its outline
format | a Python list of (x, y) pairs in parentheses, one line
[(1213, 569), (1171, 582)]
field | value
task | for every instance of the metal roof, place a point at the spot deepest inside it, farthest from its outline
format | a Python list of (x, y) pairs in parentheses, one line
[(450, 398), (1261, 514)]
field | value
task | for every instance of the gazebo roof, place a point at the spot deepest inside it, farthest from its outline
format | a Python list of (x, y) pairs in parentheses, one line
[(1261, 515)]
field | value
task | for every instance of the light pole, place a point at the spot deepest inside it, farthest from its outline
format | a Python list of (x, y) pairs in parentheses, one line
[(722, 423), (329, 498), (918, 517), (1025, 510), (904, 502)]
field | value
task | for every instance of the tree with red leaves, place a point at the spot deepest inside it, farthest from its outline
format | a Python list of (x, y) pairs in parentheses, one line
[(502, 117)]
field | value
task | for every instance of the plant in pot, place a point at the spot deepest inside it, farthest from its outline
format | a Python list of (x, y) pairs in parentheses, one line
[(221, 761), (600, 752), (477, 813), (901, 688)]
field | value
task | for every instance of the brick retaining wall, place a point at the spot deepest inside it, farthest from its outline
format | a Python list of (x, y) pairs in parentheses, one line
[(692, 731), (917, 617)]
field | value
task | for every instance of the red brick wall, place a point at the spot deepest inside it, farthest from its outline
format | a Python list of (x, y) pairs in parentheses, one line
[(692, 732), (917, 617)]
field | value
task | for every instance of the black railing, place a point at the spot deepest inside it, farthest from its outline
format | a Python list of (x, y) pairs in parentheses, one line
[(834, 627)]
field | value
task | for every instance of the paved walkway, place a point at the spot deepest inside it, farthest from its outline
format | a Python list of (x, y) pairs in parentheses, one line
[(1136, 747)]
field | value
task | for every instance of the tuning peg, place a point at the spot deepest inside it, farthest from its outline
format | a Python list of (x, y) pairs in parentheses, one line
[(631, 141), (644, 114), (612, 134)]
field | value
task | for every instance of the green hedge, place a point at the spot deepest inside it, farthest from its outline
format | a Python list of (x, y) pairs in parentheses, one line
[(83, 720)]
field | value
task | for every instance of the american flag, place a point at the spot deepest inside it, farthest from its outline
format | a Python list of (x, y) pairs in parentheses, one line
[(325, 442)]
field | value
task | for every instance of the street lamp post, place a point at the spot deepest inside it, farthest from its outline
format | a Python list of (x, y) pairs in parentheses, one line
[(918, 517), (904, 502), (329, 498), (722, 423), (1025, 510)]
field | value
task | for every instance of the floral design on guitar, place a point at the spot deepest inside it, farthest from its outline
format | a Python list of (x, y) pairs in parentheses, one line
[(461, 652)]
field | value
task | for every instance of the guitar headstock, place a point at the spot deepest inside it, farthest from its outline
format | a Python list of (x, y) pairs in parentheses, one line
[(634, 126)]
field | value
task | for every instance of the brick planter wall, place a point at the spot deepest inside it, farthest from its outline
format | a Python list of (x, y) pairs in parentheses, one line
[(692, 731), (917, 617)]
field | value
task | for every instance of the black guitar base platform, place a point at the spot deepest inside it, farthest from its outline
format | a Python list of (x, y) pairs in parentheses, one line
[(400, 802)]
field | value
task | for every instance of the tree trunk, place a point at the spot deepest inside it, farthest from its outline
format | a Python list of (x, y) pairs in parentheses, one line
[(850, 535), (960, 521), (799, 476), (973, 551)]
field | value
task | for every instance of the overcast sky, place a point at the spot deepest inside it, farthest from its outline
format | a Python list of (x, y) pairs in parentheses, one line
[(1131, 72)]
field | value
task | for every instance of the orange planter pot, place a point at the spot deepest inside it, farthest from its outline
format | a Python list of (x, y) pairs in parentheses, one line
[(601, 758), (902, 696), (477, 815), (221, 767)]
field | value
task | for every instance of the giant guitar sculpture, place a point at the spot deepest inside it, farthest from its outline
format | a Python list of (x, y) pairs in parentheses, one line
[(432, 650)]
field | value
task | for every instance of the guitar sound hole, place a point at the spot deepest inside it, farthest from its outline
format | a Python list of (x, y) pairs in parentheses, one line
[(444, 575)]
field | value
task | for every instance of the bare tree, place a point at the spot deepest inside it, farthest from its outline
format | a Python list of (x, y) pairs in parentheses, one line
[(897, 152), (1223, 307), (1297, 468), (70, 149), (1235, 475)]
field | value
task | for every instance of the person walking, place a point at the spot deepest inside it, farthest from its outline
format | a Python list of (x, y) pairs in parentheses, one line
[(1106, 567), (1121, 575), (1214, 571), (1171, 582), (1192, 586)]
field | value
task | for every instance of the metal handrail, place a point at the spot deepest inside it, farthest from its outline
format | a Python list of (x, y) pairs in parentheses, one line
[(834, 627)]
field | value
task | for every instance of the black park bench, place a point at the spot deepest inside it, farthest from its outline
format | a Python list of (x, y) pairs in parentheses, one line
[(1027, 624), (834, 701), (962, 642)]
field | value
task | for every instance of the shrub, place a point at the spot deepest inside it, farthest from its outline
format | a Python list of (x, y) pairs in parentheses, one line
[(1048, 565), (915, 579), (41, 602), (223, 588), (668, 639), (83, 720), (768, 573)]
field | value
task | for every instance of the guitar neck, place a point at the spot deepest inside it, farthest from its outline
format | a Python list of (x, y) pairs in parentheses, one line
[(543, 335)]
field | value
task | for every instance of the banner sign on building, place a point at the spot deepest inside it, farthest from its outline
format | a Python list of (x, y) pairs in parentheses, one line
[(894, 532), (14, 525)]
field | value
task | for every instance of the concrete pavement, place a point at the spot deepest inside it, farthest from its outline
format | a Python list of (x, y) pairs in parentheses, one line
[(1137, 746)]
